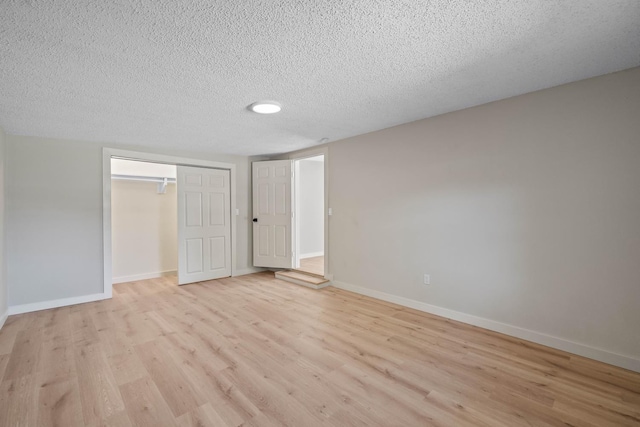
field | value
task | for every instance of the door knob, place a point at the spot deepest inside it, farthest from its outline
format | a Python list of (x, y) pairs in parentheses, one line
[(255, 219)]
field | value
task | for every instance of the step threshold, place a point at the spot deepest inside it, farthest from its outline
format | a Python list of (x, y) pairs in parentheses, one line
[(300, 278)]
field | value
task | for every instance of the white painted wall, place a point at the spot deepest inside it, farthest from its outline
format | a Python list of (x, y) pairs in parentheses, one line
[(524, 211), (144, 229), (54, 216), (311, 181), (3, 282)]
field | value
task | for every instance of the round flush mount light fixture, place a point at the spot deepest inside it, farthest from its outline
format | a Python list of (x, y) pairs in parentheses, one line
[(265, 107)]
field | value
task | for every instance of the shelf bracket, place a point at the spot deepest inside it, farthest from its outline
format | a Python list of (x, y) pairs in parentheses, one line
[(162, 186)]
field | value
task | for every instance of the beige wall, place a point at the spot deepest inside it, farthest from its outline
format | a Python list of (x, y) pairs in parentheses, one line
[(3, 282), (524, 211), (54, 216), (144, 230)]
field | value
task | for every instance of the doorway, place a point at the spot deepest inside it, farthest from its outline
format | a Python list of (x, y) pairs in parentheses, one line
[(309, 214), (277, 193)]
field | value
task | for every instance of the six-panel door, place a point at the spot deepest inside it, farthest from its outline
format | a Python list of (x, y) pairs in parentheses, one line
[(272, 214), (204, 224)]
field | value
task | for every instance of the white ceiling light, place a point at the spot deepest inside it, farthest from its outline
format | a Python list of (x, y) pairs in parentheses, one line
[(265, 107)]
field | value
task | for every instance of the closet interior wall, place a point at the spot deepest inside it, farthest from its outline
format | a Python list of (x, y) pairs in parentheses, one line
[(144, 226)]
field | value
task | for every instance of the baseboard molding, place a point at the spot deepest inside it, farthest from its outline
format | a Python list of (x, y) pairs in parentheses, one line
[(144, 276), (250, 270), (45, 305), (615, 359), (3, 318), (311, 255)]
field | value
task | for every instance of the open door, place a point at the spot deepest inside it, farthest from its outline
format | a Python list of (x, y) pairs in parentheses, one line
[(204, 224), (272, 214)]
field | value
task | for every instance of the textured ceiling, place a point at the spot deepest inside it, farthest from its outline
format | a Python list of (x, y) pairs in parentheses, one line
[(179, 74)]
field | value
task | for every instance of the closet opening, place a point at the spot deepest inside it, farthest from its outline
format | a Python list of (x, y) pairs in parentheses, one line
[(204, 216), (144, 225)]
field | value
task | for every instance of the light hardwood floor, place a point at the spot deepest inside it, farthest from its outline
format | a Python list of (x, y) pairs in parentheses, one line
[(258, 351), (313, 265)]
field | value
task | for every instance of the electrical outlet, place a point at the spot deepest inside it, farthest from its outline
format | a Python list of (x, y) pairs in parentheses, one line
[(427, 279)]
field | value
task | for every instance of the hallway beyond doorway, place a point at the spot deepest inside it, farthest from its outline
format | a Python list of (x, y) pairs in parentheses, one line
[(314, 265)]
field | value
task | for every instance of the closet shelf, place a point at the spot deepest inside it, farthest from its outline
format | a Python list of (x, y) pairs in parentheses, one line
[(161, 181), (158, 179)]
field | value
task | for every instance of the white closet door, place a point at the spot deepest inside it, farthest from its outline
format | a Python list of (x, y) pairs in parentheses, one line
[(204, 224), (272, 214)]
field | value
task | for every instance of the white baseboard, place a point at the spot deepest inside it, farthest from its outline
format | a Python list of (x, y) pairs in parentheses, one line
[(623, 361), (311, 255), (45, 305), (250, 270), (3, 318), (144, 276)]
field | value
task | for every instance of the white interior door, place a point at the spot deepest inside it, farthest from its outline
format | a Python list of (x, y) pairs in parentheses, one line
[(204, 224), (272, 214)]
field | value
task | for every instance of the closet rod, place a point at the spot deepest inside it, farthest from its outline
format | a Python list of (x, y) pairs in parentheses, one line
[(157, 179)]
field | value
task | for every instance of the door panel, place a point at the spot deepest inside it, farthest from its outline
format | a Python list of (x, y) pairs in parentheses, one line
[(217, 216), (193, 209), (264, 241), (217, 252), (280, 232), (273, 222), (263, 199), (204, 224), (194, 256)]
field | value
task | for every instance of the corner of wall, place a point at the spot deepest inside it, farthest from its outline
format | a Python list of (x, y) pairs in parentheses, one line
[(4, 306)]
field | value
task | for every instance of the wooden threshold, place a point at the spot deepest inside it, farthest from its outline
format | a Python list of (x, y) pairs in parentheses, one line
[(303, 278)]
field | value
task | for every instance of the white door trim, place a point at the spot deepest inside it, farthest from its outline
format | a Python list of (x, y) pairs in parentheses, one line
[(312, 152), (107, 154), (296, 209)]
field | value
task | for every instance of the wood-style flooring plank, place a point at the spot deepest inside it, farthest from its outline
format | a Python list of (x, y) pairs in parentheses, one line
[(126, 366), (59, 404), (4, 360), (57, 361), (168, 378), (25, 354), (19, 401), (204, 415), (99, 392), (145, 405), (9, 330)]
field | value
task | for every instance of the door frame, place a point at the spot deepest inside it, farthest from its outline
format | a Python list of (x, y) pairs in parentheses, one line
[(305, 154), (107, 154)]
